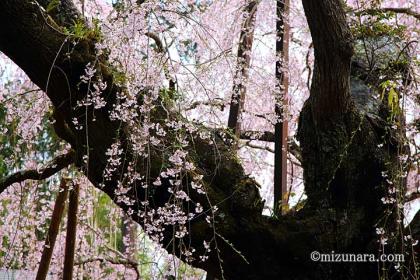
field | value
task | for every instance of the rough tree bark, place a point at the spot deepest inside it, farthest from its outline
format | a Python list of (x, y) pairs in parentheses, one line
[(342, 177)]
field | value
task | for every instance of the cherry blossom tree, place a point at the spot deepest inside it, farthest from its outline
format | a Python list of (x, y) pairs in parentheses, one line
[(129, 101)]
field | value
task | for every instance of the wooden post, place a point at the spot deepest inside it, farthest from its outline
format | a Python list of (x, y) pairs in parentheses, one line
[(280, 128), (52, 231), (71, 233)]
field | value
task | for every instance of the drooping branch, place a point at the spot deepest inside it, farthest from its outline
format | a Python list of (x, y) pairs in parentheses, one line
[(57, 164)]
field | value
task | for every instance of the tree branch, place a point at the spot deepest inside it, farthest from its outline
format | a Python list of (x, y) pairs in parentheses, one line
[(396, 10), (266, 148), (57, 164), (216, 102), (243, 63), (268, 136), (162, 50), (157, 40), (412, 196), (134, 265)]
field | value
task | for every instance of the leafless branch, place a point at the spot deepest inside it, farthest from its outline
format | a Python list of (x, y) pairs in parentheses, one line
[(50, 169), (162, 50), (268, 136), (251, 145), (157, 40), (266, 148), (217, 102)]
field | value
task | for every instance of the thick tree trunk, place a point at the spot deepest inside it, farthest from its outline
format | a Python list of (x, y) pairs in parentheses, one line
[(342, 164)]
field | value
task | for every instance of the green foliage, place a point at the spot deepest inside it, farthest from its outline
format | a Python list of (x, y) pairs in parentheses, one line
[(79, 30), (376, 23), (169, 96), (52, 5), (390, 92), (379, 28), (119, 78), (102, 217)]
